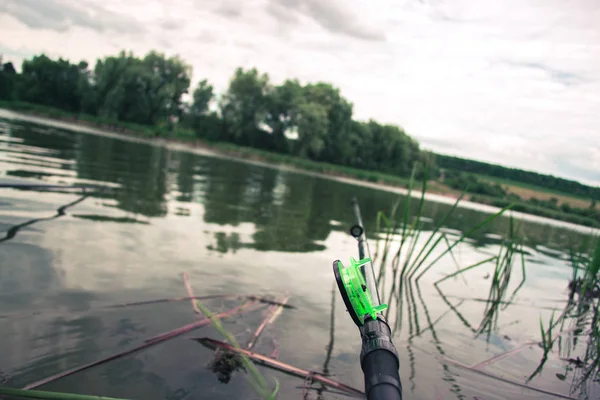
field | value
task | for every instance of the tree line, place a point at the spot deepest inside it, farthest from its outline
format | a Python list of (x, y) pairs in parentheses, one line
[(514, 174), (310, 120)]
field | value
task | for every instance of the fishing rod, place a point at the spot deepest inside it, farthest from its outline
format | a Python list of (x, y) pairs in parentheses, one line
[(378, 356)]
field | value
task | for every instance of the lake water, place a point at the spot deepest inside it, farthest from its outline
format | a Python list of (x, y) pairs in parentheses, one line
[(240, 228)]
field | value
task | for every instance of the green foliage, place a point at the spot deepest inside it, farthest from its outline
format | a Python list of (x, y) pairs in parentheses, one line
[(471, 184), (517, 175), (206, 125), (54, 83), (311, 121), (120, 88), (8, 79), (203, 95), (494, 194), (38, 394), (244, 107), (143, 91), (282, 115), (408, 259)]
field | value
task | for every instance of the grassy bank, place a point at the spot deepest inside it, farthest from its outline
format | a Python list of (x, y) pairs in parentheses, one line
[(186, 135), (526, 191)]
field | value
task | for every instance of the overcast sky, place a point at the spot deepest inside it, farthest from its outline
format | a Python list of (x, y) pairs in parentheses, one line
[(515, 82)]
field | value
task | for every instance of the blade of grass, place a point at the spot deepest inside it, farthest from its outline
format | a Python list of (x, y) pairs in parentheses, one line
[(418, 220), (455, 310), (426, 249), (38, 394), (454, 258), (547, 344), (523, 273), (460, 271), (396, 260), (474, 229)]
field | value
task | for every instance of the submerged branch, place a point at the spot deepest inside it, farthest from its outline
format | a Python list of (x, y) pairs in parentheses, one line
[(12, 232), (278, 365)]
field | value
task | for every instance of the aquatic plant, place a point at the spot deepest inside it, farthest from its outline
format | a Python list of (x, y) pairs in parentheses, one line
[(404, 260), (228, 361)]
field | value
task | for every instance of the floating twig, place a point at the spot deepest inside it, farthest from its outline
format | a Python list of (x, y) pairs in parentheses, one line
[(278, 365), (188, 287), (259, 299), (195, 325), (271, 315), (146, 344), (159, 301)]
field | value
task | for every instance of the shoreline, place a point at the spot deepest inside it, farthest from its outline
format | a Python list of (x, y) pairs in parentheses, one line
[(254, 157)]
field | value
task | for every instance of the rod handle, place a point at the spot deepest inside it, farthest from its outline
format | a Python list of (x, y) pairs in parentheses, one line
[(379, 361)]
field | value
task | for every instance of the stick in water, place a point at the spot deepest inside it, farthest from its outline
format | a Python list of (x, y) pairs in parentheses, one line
[(194, 325), (272, 313), (154, 301), (278, 365), (188, 287), (146, 344)]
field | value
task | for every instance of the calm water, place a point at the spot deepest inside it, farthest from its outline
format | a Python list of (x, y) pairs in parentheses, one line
[(238, 228)]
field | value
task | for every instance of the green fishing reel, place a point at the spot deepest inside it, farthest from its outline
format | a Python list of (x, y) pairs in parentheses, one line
[(354, 291)]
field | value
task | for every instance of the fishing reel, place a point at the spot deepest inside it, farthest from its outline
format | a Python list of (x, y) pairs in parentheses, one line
[(353, 288)]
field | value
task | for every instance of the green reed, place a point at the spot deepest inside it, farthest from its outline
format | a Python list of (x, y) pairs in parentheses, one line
[(547, 343), (39, 394), (406, 259), (578, 321)]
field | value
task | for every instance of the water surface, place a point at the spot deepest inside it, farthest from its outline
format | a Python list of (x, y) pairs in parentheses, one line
[(239, 228)]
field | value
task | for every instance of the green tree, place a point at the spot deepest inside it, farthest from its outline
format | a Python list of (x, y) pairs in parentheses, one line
[(312, 120), (283, 108), (339, 115), (144, 91), (206, 124), (203, 95), (8, 78), (49, 82), (244, 108), (165, 81), (312, 130)]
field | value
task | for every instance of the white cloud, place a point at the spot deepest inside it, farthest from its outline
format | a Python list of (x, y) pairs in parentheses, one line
[(61, 15), (513, 82)]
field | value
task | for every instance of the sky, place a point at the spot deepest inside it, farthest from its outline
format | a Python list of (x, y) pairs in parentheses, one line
[(513, 82)]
